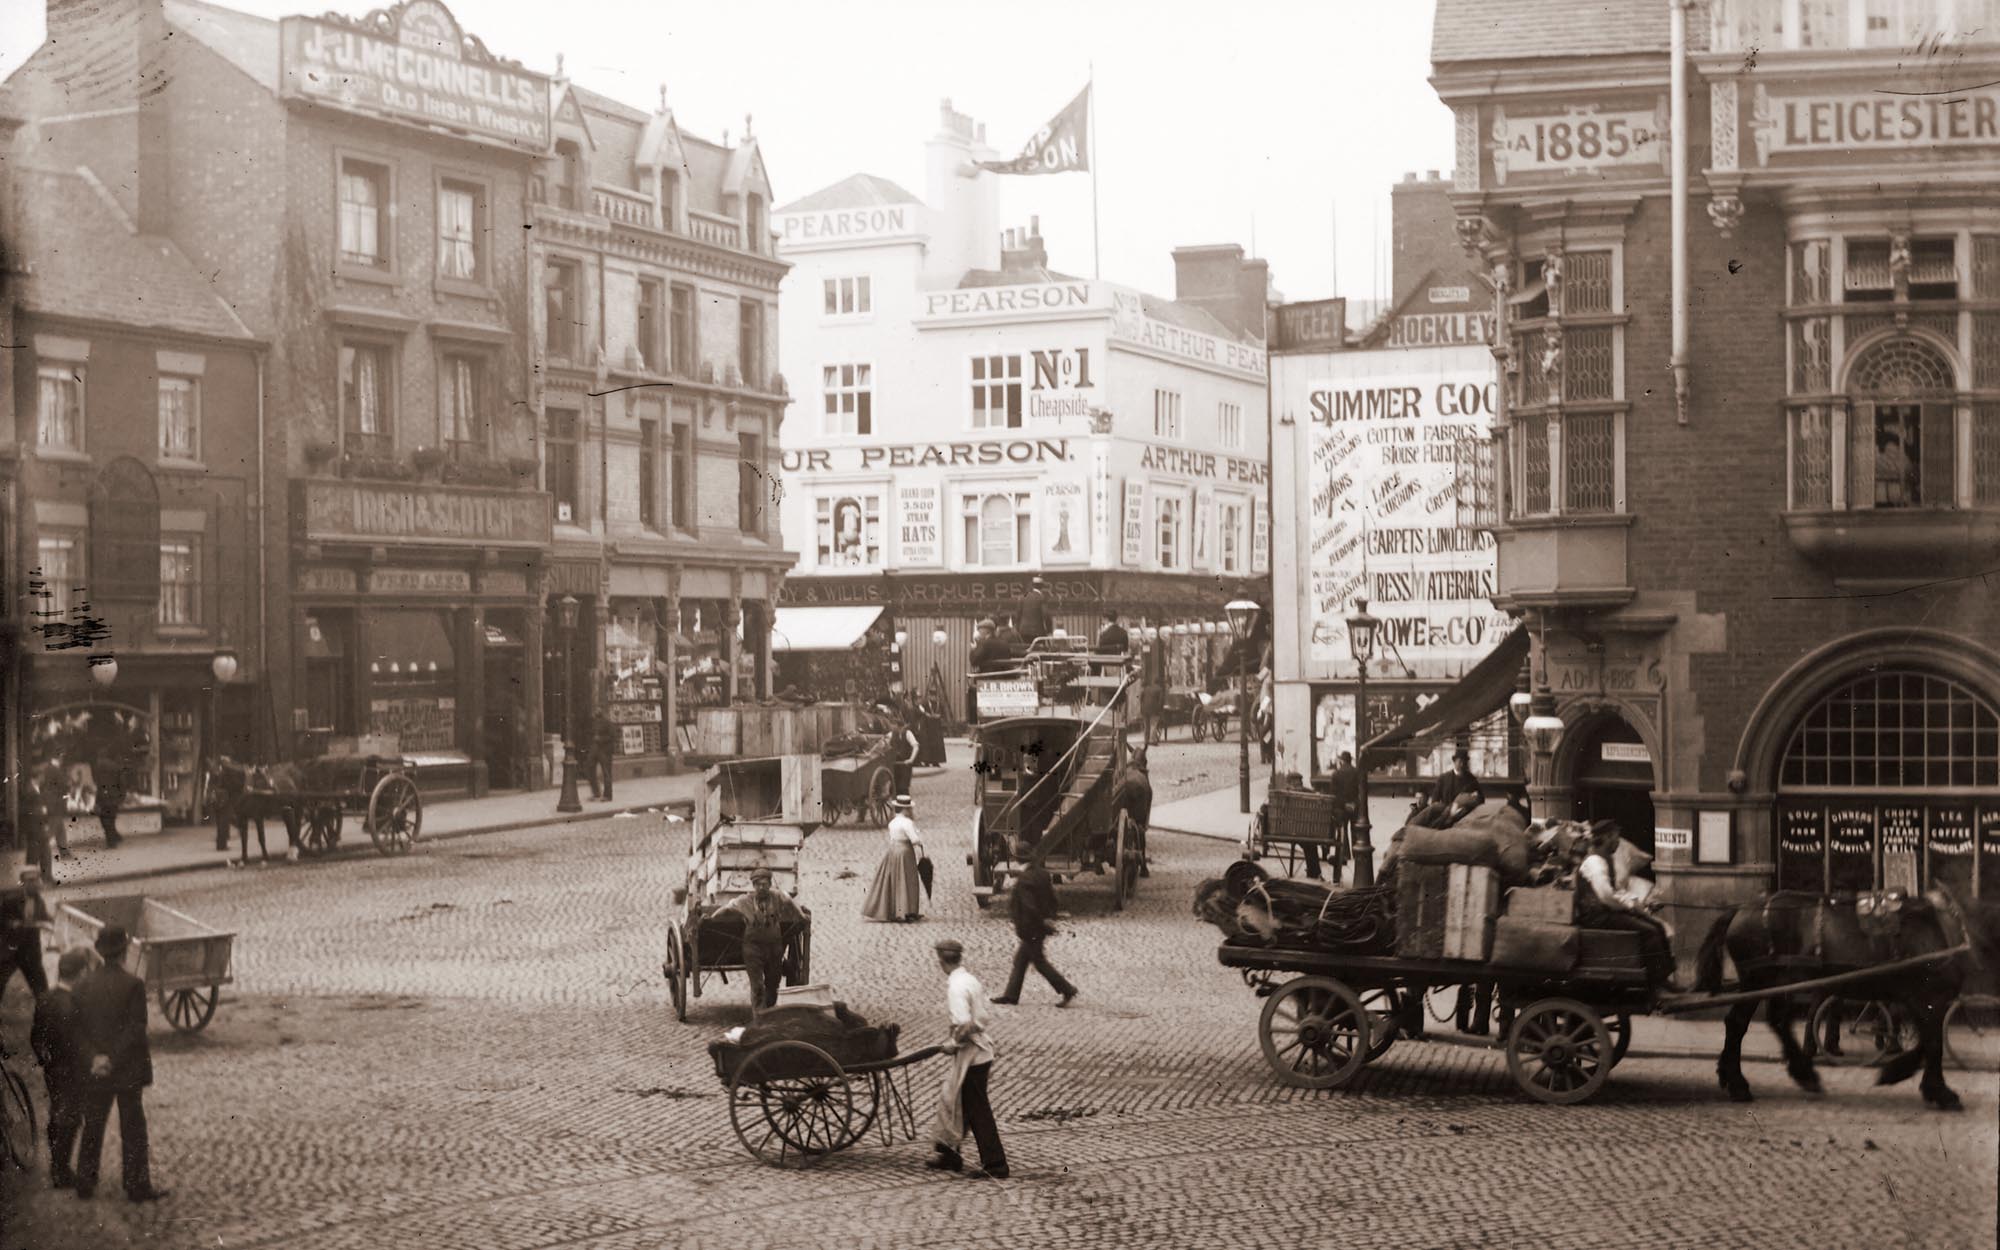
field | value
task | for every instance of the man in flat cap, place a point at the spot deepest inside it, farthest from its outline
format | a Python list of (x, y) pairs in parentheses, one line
[(770, 920), (963, 1102), (111, 1027)]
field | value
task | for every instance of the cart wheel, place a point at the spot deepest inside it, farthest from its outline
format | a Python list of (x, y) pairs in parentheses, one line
[(19, 1117), (868, 1099), (323, 826), (1970, 1030), (1385, 1006), (1315, 1033), (881, 789), (190, 1010), (1254, 844), (1620, 1025), (791, 1103), (675, 969), (395, 814), (1125, 863), (1559, 1051)]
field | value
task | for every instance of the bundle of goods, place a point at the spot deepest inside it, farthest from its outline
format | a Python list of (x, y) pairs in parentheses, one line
[(1449, 881), (841, 1033), (1250, 906)]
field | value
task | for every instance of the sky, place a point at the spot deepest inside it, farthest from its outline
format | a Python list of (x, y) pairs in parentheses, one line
[(1278, 125)]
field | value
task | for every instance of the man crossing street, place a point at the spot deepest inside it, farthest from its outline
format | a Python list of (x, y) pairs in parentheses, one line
[(1034, 905)]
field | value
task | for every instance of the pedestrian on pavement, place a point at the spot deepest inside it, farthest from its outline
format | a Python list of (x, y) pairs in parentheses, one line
[(1153, 705), (111, 1024), (903, 753), (24, 913), (1035, 610), (1344, 785), (603, 746), (54, 1039), (770, 921), (1034, 906), (110, 773), (895, 895), (1112, 639), (963, 1103), (50, 835)]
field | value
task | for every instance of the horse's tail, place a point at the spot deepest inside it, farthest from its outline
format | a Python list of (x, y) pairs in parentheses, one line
[(1708, 964)]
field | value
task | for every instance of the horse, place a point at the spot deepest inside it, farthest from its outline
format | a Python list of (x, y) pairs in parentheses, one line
[(1791, 936), (255, 792)]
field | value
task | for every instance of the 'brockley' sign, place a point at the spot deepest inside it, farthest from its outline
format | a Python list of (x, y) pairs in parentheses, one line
[(925, 455), (416, 66)]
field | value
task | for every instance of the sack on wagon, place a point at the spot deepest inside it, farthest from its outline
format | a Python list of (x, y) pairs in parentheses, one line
[(1492, 835)]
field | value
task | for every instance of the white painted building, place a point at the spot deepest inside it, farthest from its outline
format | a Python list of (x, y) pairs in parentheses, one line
[(966, 419)]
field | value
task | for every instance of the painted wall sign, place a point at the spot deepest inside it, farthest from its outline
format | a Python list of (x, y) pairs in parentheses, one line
[(1668, 838), (1179, 460), (324, 581), (1441, 329), (1060, 384), (1838, 122), (1381, 517), (420, 581), (1065, 522), (1135, 525), (1192, 345), (1260, 537), (917, 534), (417, 67), (1624, 753), (1314, 325), (925, 455), (857, 223), (988, 301), (350, 511), (1579, 141)]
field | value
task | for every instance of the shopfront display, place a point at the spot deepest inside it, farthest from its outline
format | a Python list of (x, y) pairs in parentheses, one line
[(638, 694)]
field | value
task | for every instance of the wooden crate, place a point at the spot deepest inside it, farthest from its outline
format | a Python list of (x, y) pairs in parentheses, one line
[(1609, 950), (730, 857), (1421, 891), (780, 789), (753, 732), (1472, 899), (728, 884), (1549, 904), (715, 731)]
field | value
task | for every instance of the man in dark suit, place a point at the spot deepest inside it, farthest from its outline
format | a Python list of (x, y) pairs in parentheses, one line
[(603, 747), (23, 916), (1035, 611), (1034, 907), (1112, 639), (111, 1027), (54, 1041), (1344, 784), (1459, 780)]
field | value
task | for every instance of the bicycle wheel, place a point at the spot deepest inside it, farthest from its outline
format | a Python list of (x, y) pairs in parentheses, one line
[(17, 1114), (1972, 1033)]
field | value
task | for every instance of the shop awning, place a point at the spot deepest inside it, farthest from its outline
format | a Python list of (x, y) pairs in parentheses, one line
[(821, 629), (1483, 690)]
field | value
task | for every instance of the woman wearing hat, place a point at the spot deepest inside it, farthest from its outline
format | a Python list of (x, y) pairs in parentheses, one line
[(892, 896)]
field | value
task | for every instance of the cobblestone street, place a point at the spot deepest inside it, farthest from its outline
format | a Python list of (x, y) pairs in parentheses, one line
[(471, 1047)]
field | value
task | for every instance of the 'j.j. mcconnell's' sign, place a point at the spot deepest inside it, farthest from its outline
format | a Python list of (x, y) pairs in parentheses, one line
[(414, 64)]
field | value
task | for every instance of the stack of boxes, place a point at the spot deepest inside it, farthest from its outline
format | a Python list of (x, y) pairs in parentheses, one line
[(1446, 911), (1537, 933), (752, 814)]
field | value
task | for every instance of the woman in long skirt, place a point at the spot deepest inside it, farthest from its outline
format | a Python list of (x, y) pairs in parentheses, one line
[(893, 895)]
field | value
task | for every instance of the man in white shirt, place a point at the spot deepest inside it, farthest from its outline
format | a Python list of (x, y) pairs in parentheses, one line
[(963, 1101), (1605, 902)]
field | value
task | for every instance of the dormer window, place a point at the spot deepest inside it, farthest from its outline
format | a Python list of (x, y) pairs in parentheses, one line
[(569, 174), (755, 225), (670, 200)]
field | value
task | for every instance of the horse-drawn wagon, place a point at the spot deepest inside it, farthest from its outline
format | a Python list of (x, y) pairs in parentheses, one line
[(315, 796), (750, 815), (1048, 773), (857, 779)]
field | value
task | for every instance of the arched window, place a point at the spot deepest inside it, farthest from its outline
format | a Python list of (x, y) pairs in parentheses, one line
[(1901, 432), (1888, 780)]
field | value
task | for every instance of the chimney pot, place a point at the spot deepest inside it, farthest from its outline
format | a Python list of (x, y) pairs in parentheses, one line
[(1431, 174), (1035, 226)]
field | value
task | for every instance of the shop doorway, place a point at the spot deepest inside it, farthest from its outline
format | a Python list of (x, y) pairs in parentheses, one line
[(1613, 778), (503, 740)]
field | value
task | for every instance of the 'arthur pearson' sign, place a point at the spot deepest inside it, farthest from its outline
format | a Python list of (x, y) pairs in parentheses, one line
[(413, 63)]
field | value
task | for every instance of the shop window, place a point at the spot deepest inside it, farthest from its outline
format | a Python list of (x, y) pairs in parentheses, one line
[(647, 327), (413, 680), (1170, 528), (682, 328), (1229, 425), (996, 392), (461, 404), (59, 407), (1167, 414), (850, 531), (848, 297), (750, 343), (59, 566), (459, 236), (565, 478), (364, 214), (649, 474), (848, 397), (180, 581), (561, 312), (365, 415), (681, 492), (997, 529), (1232, 536), (180, 418)]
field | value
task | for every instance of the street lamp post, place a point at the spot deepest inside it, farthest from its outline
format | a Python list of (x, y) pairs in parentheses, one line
[(1361, 643), (566, 622), (1242, 620)]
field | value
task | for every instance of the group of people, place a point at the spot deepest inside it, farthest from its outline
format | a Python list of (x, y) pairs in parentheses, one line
[(48, 836), (89, 1036)]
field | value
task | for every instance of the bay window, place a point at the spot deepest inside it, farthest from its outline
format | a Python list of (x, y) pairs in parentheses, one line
[(1566, 333)]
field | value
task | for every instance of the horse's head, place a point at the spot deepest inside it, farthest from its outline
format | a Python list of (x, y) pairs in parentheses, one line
[(225, 774)]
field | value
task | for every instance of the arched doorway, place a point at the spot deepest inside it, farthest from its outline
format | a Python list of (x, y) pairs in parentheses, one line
[(1887, 782), (1611, 777)]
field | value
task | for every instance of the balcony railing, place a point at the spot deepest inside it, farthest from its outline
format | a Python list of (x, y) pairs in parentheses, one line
[(1741, 25), (711, 228), (627, 208)]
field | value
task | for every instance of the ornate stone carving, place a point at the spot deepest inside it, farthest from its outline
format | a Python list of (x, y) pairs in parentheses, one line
[(1726, 211), (1552, 361), (1466, 176), (1552, 277), (1476, 235), (1499, 146), (1762, 122), (1722, 125)]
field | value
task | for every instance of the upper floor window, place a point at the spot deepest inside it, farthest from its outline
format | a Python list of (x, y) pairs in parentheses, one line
[(180, 576), (458, 232), (680, 494), (569, 174), (1167, 414), (996, 392), (1909, 25), (565, 466), (365, 417), (364, 213), (180, 418), (59, 563), (462, 392), (561, 309), (670, 200), (682, 349), (1230, 513), (998, 528), (649, 474), (750, 479), (647, 327), (848, 297), (1229, 424), (848, 393), (1170, 526), (59, 407), (849, 531), (1567, 331)]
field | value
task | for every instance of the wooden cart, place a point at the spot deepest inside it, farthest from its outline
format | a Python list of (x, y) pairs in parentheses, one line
[(181, 960), (793, 1103), (1051, 756), (750, 814), (1291, 820), (380, 789), (856, 779)]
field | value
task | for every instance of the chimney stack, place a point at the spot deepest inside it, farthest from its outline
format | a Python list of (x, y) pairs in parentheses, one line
[(1218, 280)]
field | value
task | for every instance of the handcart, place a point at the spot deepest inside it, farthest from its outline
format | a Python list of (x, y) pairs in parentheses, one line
[(793, 1103), (184, 962), (856, 779)]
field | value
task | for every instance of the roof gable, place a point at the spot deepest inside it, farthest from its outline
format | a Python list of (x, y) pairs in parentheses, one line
[(745, 173), (854, 191), (1500, 30), (248, 42)]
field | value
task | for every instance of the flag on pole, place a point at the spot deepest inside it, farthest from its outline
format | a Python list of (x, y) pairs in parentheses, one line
[(1061, 147)]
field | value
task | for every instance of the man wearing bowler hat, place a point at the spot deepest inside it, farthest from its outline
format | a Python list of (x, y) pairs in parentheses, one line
[(111, 1031), (963, 1103), (769, 922)]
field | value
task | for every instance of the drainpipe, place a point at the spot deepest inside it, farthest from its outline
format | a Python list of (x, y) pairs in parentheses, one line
[(270, 751), (1678, 122)]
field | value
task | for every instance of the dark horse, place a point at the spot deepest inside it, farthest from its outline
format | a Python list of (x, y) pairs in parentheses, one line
[(247, 792), (1791, 937)]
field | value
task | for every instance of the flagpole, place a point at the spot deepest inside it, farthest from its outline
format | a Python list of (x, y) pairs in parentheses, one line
[(1096, 265)]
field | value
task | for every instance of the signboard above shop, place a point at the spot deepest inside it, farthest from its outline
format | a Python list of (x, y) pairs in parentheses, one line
[(414, 64), (1836, 123), (1318, 325), (1565, 142)]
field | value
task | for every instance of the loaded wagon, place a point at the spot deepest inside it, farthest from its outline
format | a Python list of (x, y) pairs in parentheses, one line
[(183, 961), (1047, 773)]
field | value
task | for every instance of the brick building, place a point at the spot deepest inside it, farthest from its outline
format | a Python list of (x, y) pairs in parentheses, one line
[(357, 191), (1750, 560), (657, 336)]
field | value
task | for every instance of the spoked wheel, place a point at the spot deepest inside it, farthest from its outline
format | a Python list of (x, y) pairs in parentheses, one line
[(1385, 1005), (868, 1098), (19, 1116), (190, 1010), (1202, 723), (395, 814), (791, 1104), (1253, 838), (1863, 1032), (1315, 1033), (322, 832), (881, 789), (675, 969), (1125, 863), (798, 955), (1559, 1051), (1972, 1032), (1620, 1025)]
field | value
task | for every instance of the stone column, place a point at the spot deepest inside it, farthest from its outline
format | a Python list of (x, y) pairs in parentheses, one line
[(364, 655), (732, 649)]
